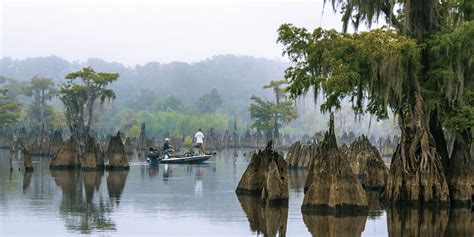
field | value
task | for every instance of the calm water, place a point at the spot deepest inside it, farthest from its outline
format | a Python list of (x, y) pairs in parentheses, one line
[(185, 200)]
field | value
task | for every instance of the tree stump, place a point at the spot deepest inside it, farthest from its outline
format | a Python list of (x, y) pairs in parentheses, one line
[(373, 171), (92, 158), (116, 154), (331, 186), (67, 156), (27, 162), (266, 176)]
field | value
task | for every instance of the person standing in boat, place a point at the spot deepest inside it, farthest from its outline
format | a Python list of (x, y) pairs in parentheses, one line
[(167, 148), (199, 137)]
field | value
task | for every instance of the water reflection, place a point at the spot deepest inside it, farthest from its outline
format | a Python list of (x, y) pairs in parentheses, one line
[(269, 220), (81, 214), (116, 183), (27, 180), (334, 226), (416, 222), (376, 208), (461, 223)]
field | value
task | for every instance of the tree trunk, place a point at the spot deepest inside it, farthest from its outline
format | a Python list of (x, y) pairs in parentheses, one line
[(416, 172), (460, 188), (441, 145)]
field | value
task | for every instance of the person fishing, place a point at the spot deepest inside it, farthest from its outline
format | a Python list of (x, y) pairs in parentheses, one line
[(167, 148), (199, 137)]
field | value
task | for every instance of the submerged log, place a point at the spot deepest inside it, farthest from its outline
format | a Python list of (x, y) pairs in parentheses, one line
[(116, 154), (331, 186), (266, 176), (67, 156)]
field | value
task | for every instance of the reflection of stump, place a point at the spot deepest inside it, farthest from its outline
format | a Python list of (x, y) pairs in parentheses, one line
[(28, 163), (376, 207), (266, 176), (461, 223), (27, 179), (266, 219), (330, 183), (416, 222), (69, 183), (67, 156), (334, 226), (91, 183), (116, 183), (116, 154)]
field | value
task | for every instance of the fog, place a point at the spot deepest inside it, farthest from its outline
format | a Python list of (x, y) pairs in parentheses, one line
[(140, 31)]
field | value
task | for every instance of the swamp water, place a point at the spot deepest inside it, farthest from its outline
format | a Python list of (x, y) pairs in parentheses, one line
[(197, 200)]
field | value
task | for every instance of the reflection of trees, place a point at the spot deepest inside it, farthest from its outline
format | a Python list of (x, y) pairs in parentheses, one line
[(461, 223), (116, 183), (334, 225), (376, 208), (83, 215), (416, 222), (263, 218)]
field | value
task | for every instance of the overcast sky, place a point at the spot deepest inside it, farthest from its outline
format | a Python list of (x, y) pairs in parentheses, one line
[(138, 31)]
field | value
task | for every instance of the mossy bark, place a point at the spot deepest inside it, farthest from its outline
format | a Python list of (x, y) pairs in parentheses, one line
[(459, 182), (266, 176), (331, 186), (416, 173)]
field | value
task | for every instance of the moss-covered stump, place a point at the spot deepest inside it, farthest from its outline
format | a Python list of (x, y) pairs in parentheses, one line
[(266, 177), (294, 149), (374, 172), (331, 186), (267, 219), (416, 222), (128, 146), (300, 155), (27, 162), (116, 180), (92, 160), (116, 154), (459, 180), (335, 226), (67, 157), (55, 143)]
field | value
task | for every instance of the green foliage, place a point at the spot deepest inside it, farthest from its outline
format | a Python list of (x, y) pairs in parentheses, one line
[(268, 116), (208, 103), (9, 110), (42, 90), (378, 66), (80, 94)]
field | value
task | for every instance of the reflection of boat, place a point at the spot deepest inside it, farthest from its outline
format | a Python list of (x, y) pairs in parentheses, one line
[(178, 159)]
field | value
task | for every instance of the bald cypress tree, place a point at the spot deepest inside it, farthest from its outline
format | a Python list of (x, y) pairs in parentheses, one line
[(419, 66)]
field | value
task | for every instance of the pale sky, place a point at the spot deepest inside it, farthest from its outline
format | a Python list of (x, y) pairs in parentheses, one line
[(139, 31)]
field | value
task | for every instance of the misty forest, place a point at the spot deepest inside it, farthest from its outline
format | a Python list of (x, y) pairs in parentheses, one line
[(374, 120)]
